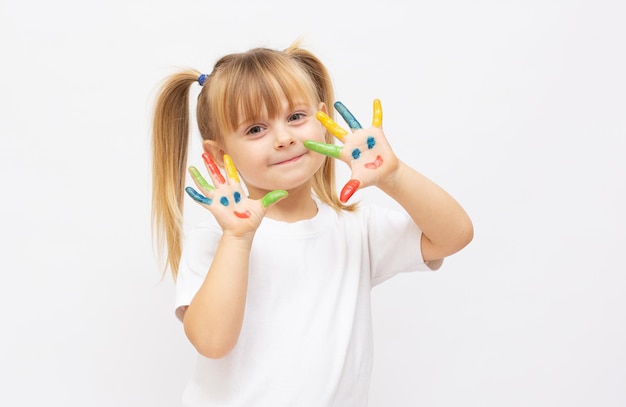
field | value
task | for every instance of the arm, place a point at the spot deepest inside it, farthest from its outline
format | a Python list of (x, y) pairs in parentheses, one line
[(445, 225), (213, 320)]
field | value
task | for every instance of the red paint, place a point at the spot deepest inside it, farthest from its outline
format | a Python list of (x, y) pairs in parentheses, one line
[(243, 215), (349, 189), (213, 168), (375, 164)]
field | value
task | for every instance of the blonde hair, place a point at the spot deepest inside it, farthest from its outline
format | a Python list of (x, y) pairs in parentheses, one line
[(238, 86)]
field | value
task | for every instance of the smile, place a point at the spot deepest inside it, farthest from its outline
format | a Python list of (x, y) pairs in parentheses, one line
[(291, 160)]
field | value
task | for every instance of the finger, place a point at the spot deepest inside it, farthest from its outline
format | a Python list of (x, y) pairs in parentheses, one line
[(331, 125), (349, 189), (213, 168), (273, 197), (330, 150), (231, 171), (198, 197), (377, 121), (347, 116), (199, 179)]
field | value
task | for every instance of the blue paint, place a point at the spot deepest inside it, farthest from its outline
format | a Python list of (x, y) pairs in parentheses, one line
[(237, 197), (347, 116), (224, 201), (197, 196), (371, 142), (356, 153)]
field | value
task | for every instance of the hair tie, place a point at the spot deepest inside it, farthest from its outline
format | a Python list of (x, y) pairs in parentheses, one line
[(201, 79)]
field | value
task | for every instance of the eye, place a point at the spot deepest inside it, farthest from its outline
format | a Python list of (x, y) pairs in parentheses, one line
[(254, 130), (296, 116)]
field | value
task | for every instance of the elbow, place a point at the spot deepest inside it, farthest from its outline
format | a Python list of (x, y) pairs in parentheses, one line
[(209, 344), (461, 237), (213, 351), (454, 240), (466, 233), (212, 348)]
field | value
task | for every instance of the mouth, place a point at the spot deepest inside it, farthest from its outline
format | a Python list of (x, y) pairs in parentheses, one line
[(290, 160)]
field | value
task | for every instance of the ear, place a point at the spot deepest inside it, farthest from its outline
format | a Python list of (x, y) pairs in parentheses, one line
[(216, 151), (322, 107)]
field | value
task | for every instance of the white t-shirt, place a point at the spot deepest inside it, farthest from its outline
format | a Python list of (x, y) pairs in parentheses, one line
[(306, 338)]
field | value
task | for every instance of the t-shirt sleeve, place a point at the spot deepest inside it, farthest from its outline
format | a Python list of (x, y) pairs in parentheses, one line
[(197, 256), (394, 244)]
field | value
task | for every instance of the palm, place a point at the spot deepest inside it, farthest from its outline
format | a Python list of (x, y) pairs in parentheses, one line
[(366, 151), (228, 203)]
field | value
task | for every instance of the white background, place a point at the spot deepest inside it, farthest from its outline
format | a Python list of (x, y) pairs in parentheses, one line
[(517, 108)]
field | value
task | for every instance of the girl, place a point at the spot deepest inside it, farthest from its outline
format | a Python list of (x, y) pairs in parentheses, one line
[(273, 289)]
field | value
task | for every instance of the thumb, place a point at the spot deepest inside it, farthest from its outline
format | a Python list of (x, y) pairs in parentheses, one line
[(349, 189), (272, 197)]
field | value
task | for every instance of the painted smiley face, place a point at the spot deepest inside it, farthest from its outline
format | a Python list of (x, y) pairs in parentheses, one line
[(356, 153), (224, 201), (237, 198)]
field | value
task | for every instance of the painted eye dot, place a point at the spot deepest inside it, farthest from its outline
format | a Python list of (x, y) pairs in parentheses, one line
[(356, 153), (371, 142), (237, 196), (224, 201)]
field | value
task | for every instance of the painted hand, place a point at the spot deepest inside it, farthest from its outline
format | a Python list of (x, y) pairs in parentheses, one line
[(366, 150), (226, 200)]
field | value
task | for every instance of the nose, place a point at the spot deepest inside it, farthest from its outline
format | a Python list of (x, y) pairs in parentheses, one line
[(283, 139)]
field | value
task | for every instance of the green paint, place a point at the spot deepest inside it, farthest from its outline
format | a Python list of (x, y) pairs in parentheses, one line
[(200, 179), (272, 197), (330, 150)]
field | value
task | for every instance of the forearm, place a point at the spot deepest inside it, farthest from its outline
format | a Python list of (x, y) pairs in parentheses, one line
[(213, 319), (445, 225)]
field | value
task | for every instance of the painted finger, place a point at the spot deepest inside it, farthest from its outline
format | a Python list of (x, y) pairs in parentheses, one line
[(331, 125), (347, 116), (377, 121), (214, 170), (231, 171), (330, 150), (273, 196), (199, 179), (349, 189), (198, 197)]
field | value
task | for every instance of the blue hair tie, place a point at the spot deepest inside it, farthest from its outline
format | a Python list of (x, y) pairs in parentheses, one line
[(201, 79)]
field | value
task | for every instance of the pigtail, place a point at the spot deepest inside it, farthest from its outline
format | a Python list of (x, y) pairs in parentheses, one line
[(170, 140), (323, 181)]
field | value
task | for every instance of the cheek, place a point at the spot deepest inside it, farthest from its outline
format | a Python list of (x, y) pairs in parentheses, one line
[(321, 134), (246, 164)]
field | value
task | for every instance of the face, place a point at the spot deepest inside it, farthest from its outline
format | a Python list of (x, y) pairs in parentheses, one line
[(269, 152)]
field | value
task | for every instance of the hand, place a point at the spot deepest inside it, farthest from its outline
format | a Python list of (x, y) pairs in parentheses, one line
[(234, 211), (366, 151)]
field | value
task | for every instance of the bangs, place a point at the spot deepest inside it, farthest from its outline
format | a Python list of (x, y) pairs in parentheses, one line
[(257, 87)]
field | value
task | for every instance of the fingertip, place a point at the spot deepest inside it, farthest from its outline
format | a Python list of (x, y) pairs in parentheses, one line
[(207, 158), (321, 116), (377, 121), (347, 116), (273, 197), (198, 197), (231, 171), (348, 190), (330, 150)]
